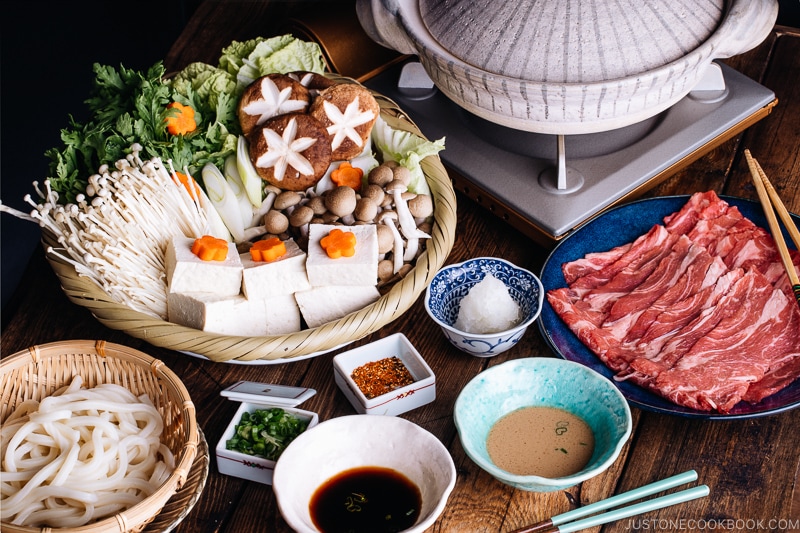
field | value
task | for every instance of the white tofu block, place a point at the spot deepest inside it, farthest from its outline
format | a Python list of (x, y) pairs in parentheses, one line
[(188, 273), (321, 305), (234, 315), (360, 269), (285, 275)]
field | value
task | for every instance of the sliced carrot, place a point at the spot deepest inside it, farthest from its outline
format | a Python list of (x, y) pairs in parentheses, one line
[(209, 248), (268, 250), (181, 122), (188, 183), (338, 243), (347, 174)]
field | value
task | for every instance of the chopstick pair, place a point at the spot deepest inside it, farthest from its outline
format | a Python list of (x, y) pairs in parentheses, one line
[(559, 523), (771, 203)]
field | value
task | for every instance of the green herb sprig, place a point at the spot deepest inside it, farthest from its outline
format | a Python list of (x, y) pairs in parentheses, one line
[(128, 106)]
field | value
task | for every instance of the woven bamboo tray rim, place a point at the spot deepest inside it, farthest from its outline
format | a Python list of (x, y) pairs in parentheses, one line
[(227, 348), (39, 371), (181, 504)]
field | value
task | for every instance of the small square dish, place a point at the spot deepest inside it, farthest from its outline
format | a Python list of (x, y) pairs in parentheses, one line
[(254, 397), (394, 374)]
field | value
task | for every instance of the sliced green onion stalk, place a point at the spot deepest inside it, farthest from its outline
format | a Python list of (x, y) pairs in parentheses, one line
[(235, 182), (265, 432), (224, 200), (253, 184), (215, 225)]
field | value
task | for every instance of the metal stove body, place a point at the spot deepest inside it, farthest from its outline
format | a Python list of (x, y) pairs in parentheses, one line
[(547, 185)]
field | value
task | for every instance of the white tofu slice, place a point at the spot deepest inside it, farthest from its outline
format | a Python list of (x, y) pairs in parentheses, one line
[(234, 315), (360, 269), (285, 275), (321, 305), (188, 273)]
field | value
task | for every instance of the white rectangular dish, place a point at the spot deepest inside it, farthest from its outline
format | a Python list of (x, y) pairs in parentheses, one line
[(397, 401), (258, 396)]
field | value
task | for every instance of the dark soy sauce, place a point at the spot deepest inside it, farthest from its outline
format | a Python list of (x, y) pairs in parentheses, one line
[(366, 500)]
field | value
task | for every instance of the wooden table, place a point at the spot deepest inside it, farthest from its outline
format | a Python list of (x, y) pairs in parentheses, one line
[(752, 466)]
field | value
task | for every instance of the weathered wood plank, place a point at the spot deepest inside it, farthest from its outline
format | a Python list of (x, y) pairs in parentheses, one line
[(751, 466)]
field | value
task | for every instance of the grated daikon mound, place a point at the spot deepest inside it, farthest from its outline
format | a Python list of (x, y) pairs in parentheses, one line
[(488, 308)]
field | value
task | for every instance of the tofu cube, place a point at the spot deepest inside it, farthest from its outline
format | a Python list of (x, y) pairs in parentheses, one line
[(320, 305), (360, 269), (285, 275), (234, 315), (188, 273)]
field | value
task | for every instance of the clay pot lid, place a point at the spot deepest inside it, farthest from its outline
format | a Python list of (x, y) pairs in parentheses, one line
[(582, 41)]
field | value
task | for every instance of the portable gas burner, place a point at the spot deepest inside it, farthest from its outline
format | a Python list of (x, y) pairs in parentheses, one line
[(546, 156), (546, 185), (581, 104)]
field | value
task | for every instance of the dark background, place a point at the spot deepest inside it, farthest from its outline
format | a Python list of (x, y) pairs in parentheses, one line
[(48, 49)]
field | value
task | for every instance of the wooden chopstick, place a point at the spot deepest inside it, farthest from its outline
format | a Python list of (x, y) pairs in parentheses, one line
[(771, 203), (779, 206)]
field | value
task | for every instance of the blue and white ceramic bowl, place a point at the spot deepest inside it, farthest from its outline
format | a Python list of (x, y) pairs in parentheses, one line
[(453, 282), (542, 382)]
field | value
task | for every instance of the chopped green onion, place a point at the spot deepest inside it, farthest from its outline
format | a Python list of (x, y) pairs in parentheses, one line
[(266, 432)]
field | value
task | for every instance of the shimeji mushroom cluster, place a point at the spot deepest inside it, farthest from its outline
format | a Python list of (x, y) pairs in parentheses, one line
[(402, 218), (117, 232)]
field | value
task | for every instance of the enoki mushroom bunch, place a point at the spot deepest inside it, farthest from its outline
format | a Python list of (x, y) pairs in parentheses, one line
[(80, 456), (117, 232)]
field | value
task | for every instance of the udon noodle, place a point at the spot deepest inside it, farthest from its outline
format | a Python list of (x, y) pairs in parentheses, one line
[(80, 456)]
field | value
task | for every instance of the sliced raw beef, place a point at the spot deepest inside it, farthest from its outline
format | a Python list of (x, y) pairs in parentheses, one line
[(670, 268), (711, 222), (776, 274), (603, 297), (676, 331), (698, 310), (702, 273), (700, 206), (776, 379), (708, 232), (592, 263), (583, 321), (726, 242), (584, 305), (646, 248), (717, 372), (755, 249)]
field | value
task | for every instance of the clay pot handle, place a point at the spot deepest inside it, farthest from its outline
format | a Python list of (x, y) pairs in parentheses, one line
[(382, 21), (745, 26)]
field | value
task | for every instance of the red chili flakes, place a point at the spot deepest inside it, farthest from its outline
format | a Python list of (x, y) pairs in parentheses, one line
[(382, 376)]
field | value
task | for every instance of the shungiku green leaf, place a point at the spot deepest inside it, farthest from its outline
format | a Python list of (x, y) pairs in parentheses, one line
[(127, 107)]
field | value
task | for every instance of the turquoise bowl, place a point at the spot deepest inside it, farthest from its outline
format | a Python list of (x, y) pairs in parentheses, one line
[(542, 382)]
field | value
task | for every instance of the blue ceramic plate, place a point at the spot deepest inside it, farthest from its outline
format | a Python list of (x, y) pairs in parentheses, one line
[(616, 227)]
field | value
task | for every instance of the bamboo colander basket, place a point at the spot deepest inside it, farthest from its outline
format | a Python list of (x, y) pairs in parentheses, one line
[(39, 371), (307, 342)]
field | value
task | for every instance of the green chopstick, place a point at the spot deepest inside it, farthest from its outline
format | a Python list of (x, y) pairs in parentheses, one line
[(639, 508), (619, 499)]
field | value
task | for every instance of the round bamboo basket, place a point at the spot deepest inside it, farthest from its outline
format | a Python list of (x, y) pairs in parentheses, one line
[(307, 342), (39, 371)]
